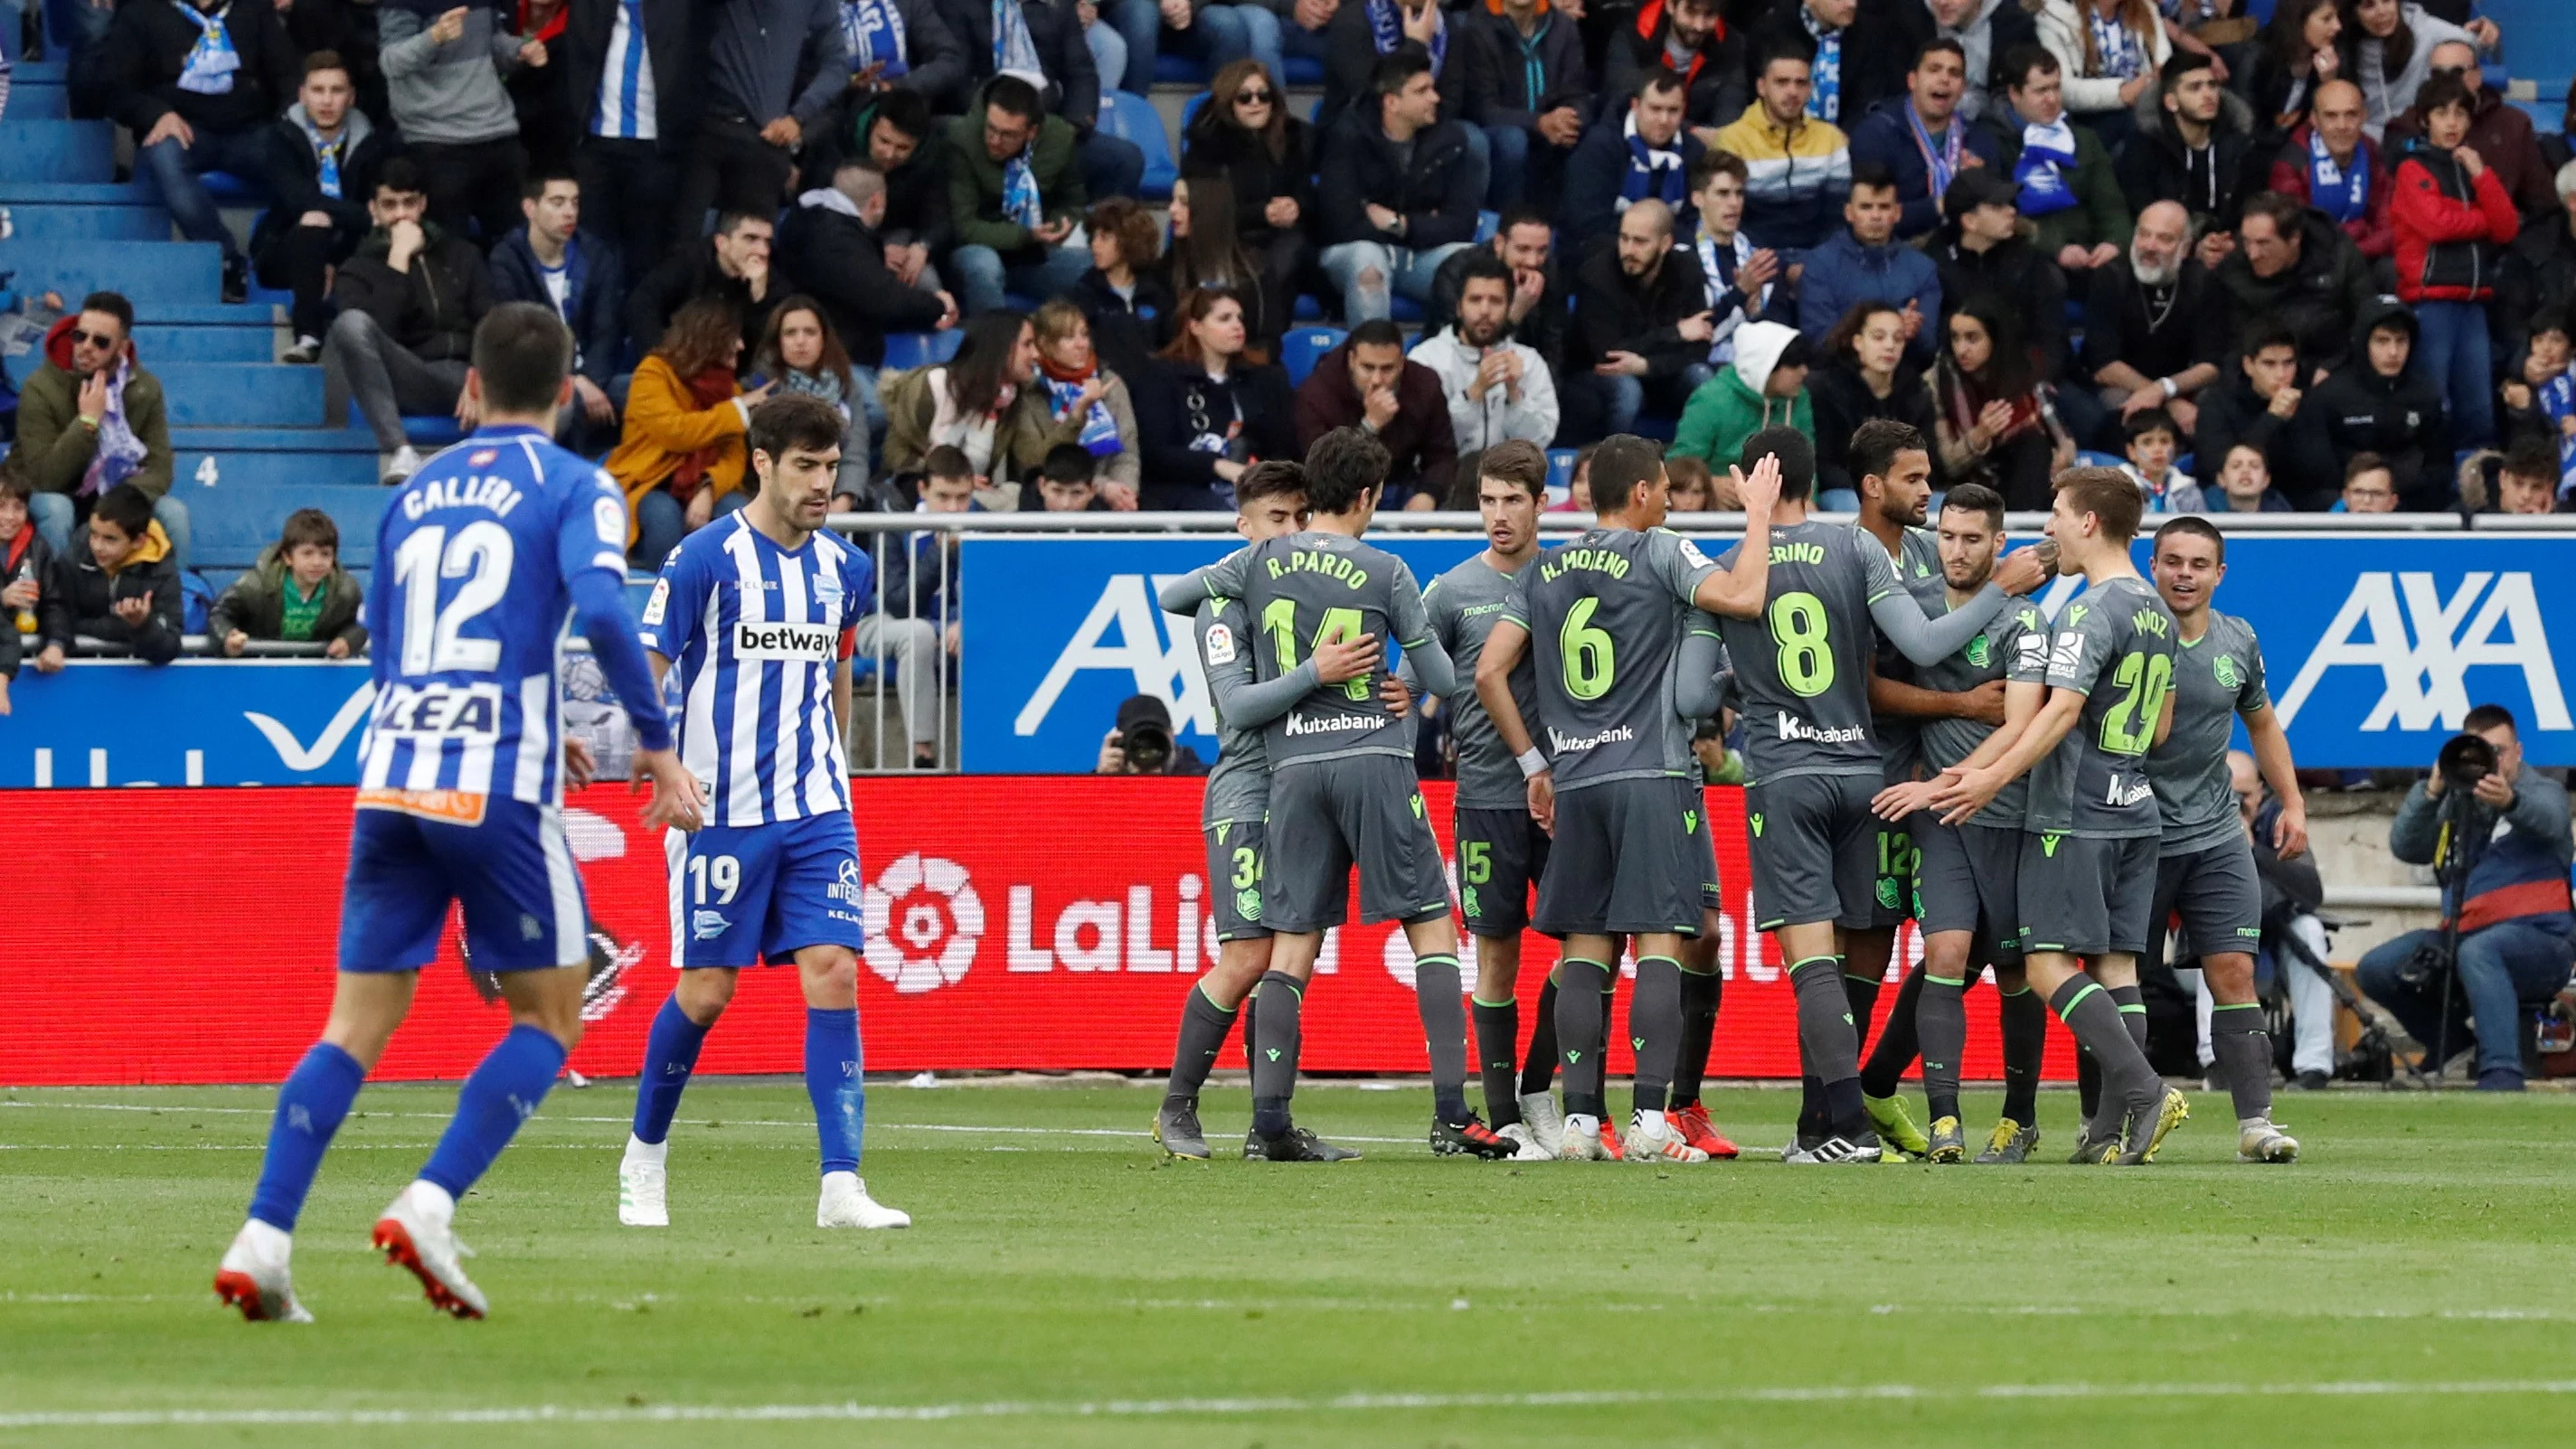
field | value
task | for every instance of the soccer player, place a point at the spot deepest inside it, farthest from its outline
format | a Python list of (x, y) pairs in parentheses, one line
[(1602, 615), (2088, 853), (462, 771), (2205, 865), (755, 610), (1342, 789)]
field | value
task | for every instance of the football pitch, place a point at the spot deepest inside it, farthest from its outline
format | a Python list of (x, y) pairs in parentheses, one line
[(1065, 1287)]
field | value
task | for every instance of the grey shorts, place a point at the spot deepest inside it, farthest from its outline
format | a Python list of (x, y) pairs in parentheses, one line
[(2083, 895), (1967, 879), (1815, 851), (1895, 861), (2217, 895), (1234, 879), (1705, 851), (1501, 856), (1624, 860), (1325, 817)]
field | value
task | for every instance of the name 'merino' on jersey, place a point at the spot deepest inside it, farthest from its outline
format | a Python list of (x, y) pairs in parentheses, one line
[(756, 632)]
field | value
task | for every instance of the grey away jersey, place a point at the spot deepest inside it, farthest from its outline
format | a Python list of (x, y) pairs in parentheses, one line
[(1464, 604), (1605, 614), (1239, 787), (1803, 667), (1312, 588), (2013, 648), (2115, 644), (1918, 557), (2214, 681)]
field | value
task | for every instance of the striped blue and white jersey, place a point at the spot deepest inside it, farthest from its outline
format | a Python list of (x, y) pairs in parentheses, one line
[(475, 562), (756, 632), (624, 108)]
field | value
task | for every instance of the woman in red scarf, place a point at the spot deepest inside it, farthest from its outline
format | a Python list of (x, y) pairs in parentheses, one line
[(1088, 401), (1998, 424), (681, 460)]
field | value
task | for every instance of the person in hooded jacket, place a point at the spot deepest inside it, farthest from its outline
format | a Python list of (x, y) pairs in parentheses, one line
[(1766, 386), (2375, 403), (1691, 39), (2195, 143), (2454, 219), (118, 582)]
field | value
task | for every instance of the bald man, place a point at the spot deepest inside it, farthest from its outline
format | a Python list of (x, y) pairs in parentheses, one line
[(1641, 328), (2154, 331), (2331, 163)]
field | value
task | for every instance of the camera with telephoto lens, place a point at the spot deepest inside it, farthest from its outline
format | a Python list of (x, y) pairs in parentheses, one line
[(1145, 735), (2464, 761)]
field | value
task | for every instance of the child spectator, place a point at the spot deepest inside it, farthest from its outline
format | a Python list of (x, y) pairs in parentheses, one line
[(2542, 401), (2454, 219), (2368, 486), (297, 593), (1688, 480), (1766, 386), (2244, 486), (1578, 483), (26, 560), (1067, 483), (118, 584), (2153, 444)]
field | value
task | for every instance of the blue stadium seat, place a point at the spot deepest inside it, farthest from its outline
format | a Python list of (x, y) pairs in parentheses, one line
[(2090, 459), (147, 272), (427, 433), (238, 394), (1174, 69), (35, 101), (1303, 70), (159, 344), (46, 222), (1134, 118), (1190, 110), (906, 350), (57, 151), (1300, 349), (233, 523), (1487, 223), (1838, 500)]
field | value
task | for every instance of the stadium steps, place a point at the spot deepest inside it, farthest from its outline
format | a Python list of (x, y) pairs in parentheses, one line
[(233, 522), (149, 273), (238, 394)]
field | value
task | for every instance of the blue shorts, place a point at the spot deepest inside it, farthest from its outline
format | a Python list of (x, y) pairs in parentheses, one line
[(752, 894), (513, 874)]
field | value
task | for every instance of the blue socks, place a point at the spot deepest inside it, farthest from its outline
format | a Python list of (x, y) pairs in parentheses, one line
[(503, 1092), (310, 1107), (670, 1054), (832, 1079)]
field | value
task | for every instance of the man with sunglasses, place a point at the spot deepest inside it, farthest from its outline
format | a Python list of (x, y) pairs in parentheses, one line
[(91, 418)]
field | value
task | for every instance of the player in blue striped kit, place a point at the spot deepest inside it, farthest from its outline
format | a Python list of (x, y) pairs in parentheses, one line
[(756, 610), (483, 556)]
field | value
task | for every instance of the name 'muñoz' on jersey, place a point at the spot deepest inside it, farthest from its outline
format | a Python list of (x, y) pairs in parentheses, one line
[(757, 632), (475, 561), (2115, 645), (1604, 614)]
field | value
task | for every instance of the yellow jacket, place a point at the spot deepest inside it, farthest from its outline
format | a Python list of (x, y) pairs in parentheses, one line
[(664, 425)]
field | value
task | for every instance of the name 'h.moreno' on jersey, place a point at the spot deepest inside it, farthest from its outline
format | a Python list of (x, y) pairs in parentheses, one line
[(757, 632), (477, 555), (1309, 589), (1802, 668), (1604, 614), (2114, 643)]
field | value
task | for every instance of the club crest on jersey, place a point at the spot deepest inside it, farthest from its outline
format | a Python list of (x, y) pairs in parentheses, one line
[(707, 925), (482, 457), (2225, 672), (1980, 651)]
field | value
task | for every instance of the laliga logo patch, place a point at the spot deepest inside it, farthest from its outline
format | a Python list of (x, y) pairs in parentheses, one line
[(923, 920), (482, 457)]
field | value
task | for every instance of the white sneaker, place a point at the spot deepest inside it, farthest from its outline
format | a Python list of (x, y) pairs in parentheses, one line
[(1832, 1152), (1529, 1151), (398, 465), (846, 1204), (1583, 1139), (640, 1199), (253, 1276), (306, 351), (1546, 1122), (2257, 1140), (1652, 1139), (414, 1233)]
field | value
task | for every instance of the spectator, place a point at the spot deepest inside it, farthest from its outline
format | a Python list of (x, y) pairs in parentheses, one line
[(26, 568), (801, 354), (986, 404), (1068, 482), (443, 70), (2540, 396), (1400, 191), (894, 632), (91, 418), (1691, 39), (1980, 249), (1863, 377), (2389, 45), (409, 299), (1641, 328), (1735, 274), (1525, 242), (1687, 484), (1987, 30), (2527, 478), (319, 168), (2330, 165), (2453, 219), (2244, 486), (1528, 88), (1998, 420), (2194, 147), (1765, 386), (1797, 166), (2512, 910), (551, 261), (1859, 61), (755, 53), (681, 461), (1142, 743), (2297, 57), (2061, 174), (1921, 139), (2375, 404), (833, 238), (733, 267), (2293, 265), (1091, 401), (1127, 294), (1268, 158), (899, 46), (1641, 153), (541, 96), (198, 82), (117, 582), (1040, 43), (297, 593), (892, 134), (2259, 400), (2558, 147), (2539, 275), (1865, 263), (2368, 486), (2154, 443), (2108, 52), (1367, 383), (634, 70), (1216, 33), (921, 578), (1016, 192), (1204, 413), (1497, 389), (2154, 324), (1365, 33), (1206, 253)]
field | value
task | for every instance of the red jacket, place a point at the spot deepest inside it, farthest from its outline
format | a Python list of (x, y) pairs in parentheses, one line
[(2369, 231), (2451, 232)]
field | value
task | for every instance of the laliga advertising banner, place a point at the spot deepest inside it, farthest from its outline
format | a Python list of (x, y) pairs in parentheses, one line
[(990, 943), (2375, 645)]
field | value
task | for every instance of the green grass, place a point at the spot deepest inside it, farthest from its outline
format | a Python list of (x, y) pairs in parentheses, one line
[(2405, 1282)]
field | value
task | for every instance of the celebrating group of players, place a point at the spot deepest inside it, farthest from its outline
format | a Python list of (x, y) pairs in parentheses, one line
[(2043, 797)]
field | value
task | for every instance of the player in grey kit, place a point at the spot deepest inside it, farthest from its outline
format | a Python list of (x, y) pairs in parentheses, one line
[(1342, 789), (1602, 617), (2205, 868), (2089, 842)]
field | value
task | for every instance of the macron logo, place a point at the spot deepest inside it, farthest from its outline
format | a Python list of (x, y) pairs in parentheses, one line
[(784, 641)]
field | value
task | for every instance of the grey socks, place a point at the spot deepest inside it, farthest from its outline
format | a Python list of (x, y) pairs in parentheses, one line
[(2244, 1052), (1203, 1028), (1655, 1028), (1582, 1006), (1941, 1021), (1274, 1059), (1444, 1028)]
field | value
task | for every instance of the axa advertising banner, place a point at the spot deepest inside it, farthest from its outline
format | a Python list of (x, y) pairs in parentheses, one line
[(990, 943), (2375, 646)]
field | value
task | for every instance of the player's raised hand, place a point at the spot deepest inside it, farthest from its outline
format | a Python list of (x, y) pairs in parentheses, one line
[(1761, 489), (1346, 659), (580, 765), (676, 802), (2021, 571)]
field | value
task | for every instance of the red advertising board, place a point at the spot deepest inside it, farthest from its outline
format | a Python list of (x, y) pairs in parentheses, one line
[(1040, 923)]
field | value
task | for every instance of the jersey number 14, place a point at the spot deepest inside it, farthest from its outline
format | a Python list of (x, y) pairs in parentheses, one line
[(1279, 621)]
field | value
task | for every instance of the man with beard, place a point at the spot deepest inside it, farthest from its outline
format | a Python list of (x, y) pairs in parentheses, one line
[(1641, 327), (2153, 326), (1921, 139), (2194, 151), (1498, 390), (1692, 40)]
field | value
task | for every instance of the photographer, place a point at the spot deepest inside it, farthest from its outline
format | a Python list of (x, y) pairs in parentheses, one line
[(2510, 834), (1142, 744)]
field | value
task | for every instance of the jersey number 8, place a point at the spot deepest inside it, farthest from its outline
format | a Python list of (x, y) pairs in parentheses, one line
[(1799, 625)]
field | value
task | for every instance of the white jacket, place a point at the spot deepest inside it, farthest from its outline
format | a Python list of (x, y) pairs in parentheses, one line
[(2061, 28), (1481, 422)]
